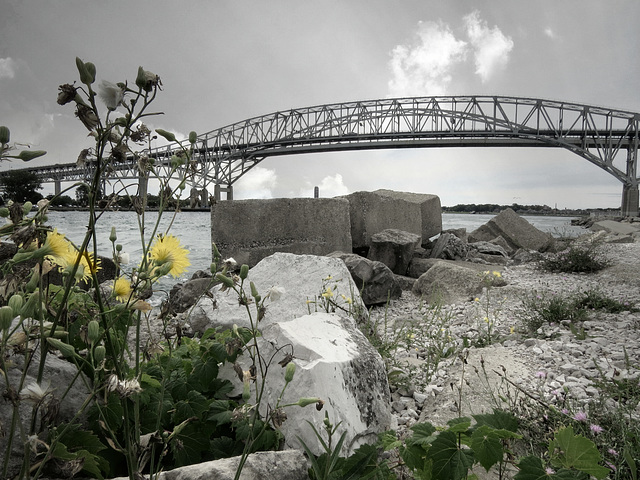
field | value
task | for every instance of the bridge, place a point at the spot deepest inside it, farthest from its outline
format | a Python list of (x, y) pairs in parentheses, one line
[(606, 137)]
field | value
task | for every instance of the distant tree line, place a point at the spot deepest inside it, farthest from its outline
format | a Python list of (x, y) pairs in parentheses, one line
[(495, 208)]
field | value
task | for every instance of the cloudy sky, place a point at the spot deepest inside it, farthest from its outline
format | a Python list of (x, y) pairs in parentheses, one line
[(224, 61)]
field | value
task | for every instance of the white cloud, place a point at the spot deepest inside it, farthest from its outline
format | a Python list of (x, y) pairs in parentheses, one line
[(549, 33), (330, 186), (7, 67), (258, 182), (491, 47), (424, 67)]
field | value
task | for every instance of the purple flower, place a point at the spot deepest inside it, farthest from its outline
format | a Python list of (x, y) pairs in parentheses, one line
[(596, 428), (549, 471), (580, 417), (611, 466), (565, 411), (611, 451), (541, 374)]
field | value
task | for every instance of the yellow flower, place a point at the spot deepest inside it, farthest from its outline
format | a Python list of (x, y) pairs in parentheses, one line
[(56, 246), (122, 289), (328, 293), (87, 264), (497, 274), (166, 250)]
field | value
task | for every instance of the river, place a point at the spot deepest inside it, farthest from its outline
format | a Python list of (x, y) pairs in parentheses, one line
[(194, 231)]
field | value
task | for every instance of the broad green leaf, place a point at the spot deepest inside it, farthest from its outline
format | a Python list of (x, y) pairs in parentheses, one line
[(150, 381), (459, 425), (531, 469), (450, 462), (499, 419), (575, 451), (487, 447), (422, 433)]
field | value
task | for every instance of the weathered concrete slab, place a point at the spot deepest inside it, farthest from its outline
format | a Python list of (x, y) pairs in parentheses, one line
[(394, 248), (515, 230), (612, 226), (373, 212), (250, 230)]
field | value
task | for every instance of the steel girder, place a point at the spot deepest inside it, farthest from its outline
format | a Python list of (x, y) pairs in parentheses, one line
[(606, 137)]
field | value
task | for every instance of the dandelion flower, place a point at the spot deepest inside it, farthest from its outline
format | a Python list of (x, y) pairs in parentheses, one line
[(166, 250), (122, 289), (56, 245), (87, 264)]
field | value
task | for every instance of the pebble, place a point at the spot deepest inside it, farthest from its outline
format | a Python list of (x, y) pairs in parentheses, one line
[(565, 361)]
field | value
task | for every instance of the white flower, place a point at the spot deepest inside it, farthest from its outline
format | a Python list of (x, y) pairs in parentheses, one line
[(111, 94), (230, 262), (34, 393), (123, 258), (275, 293), (124, 388), (42, 204)]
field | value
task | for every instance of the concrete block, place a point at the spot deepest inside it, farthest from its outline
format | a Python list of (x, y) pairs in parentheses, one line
[(250, 230), (373, 212)]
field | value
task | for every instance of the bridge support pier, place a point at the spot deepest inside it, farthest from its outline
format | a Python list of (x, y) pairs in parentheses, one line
[(630, 201), (218, 189), (57, 187)]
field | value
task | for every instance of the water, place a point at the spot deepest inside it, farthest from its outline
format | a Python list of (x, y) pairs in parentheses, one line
[(194, 231)]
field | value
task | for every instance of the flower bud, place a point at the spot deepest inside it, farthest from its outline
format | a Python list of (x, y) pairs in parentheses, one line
[(113, 237), (87, 71), (303, 402), (5, 135), (99, 353), (66, 349), (6, 317), (26, 155), (254, 290), (28, 310), (4, 212), (93, 331), (244, 271), (26, 208), (246, 391), (193, 136), (226, 281), (288, 374), (16, 302), (167, 135)]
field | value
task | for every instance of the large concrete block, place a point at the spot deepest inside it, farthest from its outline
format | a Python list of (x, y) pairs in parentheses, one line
[(515, 230), (250, 230), (373, 212)]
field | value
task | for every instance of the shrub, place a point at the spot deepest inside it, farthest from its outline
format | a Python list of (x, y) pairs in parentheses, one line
[(578, 258)]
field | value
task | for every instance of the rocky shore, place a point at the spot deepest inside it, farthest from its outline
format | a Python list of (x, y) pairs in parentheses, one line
[(555, 362)]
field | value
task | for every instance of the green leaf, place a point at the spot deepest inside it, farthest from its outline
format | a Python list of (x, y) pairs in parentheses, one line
[(194, 406), (499, 419), (459, 425), (487, 447), (575, 451), (422, 433), (531, 469), (450, 462), (150, 381)]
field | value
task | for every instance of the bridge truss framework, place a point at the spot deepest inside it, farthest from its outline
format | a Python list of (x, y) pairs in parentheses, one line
[(607, 138)]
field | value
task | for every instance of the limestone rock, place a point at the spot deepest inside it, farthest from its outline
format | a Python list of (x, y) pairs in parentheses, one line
[(376, 281), (59, 374), (303, 278), (418, 266), (611, 226), (515, 230), (184, 295), (394, 248), (283, 465), (336, 363), (450, 247), (448, 282)]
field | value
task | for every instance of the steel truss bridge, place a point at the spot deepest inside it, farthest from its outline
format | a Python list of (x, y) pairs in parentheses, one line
[(605, 137)]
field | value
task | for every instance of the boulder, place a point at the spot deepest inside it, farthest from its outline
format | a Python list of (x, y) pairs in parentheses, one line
[(376, 282), (394, 248), (283, 465), (61, 378), (489, 248), (515, 230), (418, 266), (303, 278), (334, 362), (449, 282), (372, 212), (449, 247), (184, 295), (250, 230)]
